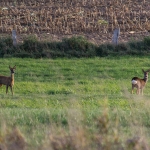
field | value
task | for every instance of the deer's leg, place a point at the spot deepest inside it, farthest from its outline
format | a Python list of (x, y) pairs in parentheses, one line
[(141, 91), (6, 89), (138, 91), (132, 89), (11, 89)]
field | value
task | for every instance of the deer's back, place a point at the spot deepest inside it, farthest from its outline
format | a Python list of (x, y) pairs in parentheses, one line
[(135, 78), (4, 80), (137, 82)]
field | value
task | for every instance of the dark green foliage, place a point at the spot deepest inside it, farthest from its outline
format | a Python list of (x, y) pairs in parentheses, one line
[(32, 45), (76, 46), (23, 55), (105, 50), (147, 41), (6, 46), (137, 46), (122, 47), (72, 47)]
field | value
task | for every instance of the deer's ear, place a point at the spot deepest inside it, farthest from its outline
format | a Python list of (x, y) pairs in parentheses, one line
[(14, 67), (148, 70)]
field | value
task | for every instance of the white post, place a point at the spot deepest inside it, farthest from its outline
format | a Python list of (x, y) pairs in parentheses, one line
[(115, 37), (14, 37)]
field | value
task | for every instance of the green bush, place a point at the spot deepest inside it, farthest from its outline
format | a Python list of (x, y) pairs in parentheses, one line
[(122, 47), (137, 46), (76, 46), (147, 41), (72, 47), (105, 50), (74, 43), (6, 46), (23, 55), (30, 44)]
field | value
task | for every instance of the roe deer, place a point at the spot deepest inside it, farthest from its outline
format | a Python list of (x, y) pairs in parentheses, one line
[(140, 83), (8, 81)]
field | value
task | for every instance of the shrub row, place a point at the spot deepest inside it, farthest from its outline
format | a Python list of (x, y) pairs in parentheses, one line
[(71, 47)]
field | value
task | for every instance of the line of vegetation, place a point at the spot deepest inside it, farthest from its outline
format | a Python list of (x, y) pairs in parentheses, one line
[(76, 46)]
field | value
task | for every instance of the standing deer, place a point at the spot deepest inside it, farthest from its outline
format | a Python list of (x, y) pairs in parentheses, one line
[(8, 81), (140, 83)]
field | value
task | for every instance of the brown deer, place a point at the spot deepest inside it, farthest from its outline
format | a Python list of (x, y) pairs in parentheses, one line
[(140, 83), (8, 81)]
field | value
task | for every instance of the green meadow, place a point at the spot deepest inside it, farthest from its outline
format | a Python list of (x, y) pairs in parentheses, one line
[(85, 103)]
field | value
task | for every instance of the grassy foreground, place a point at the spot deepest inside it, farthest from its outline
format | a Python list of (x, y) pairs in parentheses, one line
[(74, 104)]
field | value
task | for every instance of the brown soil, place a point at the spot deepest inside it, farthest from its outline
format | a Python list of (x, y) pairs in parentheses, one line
[(94, 19)]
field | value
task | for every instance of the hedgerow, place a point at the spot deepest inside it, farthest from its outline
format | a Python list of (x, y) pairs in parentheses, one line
[(76, 46)]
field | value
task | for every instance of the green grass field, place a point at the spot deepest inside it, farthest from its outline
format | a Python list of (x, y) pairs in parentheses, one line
[(88, 99)]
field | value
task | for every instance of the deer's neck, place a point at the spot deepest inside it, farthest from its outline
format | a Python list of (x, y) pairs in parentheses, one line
[(145, 78), (12, 78)]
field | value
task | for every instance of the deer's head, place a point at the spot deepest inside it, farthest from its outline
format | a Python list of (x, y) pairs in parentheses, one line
[(146, 73), (12, 69)]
